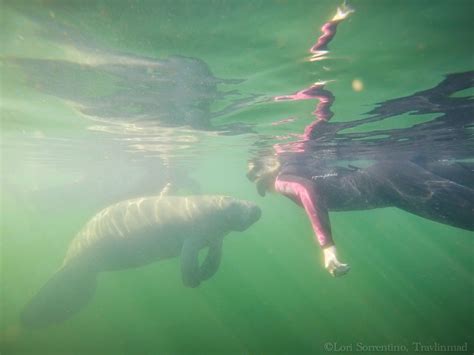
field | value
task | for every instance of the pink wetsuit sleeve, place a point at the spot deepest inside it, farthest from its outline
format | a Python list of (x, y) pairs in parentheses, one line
[(304, 193)]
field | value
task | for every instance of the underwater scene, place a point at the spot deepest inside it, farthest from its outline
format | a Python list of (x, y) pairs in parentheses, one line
[(236, 177)]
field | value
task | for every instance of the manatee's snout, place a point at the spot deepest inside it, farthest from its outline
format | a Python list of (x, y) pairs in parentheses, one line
[(245, 214), (253, 213)]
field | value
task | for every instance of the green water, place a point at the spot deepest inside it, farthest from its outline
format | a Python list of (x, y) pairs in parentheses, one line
[(411, 279)]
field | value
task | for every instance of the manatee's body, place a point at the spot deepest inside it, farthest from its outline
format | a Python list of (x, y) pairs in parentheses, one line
[(134, 233)]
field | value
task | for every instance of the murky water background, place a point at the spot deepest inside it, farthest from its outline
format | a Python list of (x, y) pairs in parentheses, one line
[(79, 132)]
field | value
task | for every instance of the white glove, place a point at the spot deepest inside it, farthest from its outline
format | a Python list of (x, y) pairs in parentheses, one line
[(334, 266)]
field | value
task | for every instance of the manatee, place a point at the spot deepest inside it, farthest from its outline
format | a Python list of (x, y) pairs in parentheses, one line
[(137, 232)]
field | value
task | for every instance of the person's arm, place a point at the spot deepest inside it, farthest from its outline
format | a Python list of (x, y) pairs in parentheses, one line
[(305, 193)]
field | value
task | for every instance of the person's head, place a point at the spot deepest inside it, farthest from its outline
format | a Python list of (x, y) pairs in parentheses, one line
[(263, 171)]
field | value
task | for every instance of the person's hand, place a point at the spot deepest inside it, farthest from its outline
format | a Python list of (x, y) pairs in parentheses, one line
[(334, 266)]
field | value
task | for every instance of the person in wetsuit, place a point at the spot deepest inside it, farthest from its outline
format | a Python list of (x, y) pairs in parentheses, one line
[(439, 191), (416, 169)]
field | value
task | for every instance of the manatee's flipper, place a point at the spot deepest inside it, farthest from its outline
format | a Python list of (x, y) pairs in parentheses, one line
[(68, 291), (212, 261), (190, 263)]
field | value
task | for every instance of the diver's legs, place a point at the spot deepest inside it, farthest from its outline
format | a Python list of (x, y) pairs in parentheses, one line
[(419, 191), (461, 173)]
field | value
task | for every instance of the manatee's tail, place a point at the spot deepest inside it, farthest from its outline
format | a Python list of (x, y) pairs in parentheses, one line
[(67, 292)]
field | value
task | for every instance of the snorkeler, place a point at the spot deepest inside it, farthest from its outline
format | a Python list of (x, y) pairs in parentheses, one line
[(294, 182), (436, 191), (405, 173)]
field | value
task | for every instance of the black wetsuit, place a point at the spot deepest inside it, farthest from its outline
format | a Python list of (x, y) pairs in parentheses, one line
[(440, 191)]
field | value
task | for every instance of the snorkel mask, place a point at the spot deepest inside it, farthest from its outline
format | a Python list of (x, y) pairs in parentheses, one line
[(263, 171)]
